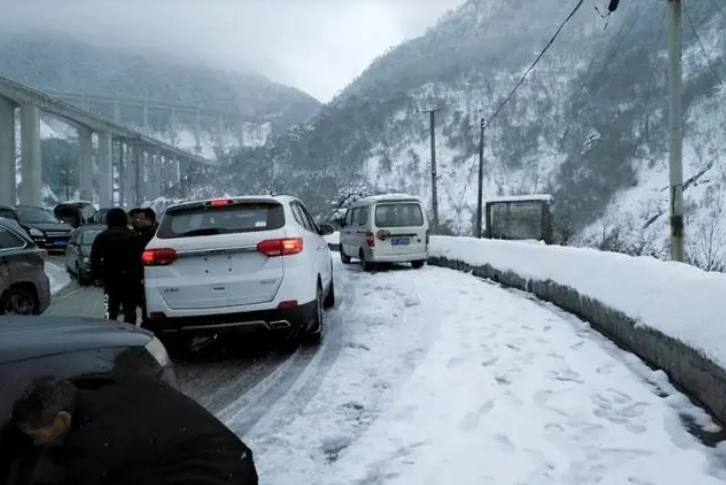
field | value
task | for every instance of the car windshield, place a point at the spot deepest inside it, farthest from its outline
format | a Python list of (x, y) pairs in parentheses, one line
[(33, 214), (399, 215), (209, 221), (88, 236)]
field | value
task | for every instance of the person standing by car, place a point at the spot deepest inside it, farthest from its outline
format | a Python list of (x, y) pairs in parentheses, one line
[(134, 430), (116, 265), (144, 222)]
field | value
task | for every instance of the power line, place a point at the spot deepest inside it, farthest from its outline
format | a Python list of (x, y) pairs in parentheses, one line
[(534, 64), (703, 48), (718, 9)]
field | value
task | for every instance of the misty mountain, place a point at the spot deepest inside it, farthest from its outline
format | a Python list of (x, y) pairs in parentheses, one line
[(54, 62), (588, 125)]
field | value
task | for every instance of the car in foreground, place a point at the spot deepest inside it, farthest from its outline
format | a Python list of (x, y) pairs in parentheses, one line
[(24, 284), (88, 351), (237, 265), (78, 252), (388, 228), (41, 225)]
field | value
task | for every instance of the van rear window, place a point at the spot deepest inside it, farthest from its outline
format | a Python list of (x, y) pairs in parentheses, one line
[(399, 214), (228, 219)]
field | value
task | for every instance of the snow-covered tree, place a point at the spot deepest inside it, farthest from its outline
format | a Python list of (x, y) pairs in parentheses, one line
[(346, 197)]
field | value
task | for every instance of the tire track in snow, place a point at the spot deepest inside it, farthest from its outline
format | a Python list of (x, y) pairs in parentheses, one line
[(268, 395)]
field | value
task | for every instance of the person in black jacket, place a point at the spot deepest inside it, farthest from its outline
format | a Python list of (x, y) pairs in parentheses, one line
[(116, 265), (144, 222), (135, 430)]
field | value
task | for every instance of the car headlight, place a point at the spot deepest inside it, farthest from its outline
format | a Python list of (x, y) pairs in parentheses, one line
[(86, 259), (36, 232), (157, 350)]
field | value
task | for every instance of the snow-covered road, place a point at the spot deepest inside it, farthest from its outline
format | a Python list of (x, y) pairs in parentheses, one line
[(435, 377)]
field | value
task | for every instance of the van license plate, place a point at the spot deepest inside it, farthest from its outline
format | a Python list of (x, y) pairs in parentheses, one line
[(400, 241)]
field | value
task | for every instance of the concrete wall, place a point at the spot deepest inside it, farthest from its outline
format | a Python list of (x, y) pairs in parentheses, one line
[(695, 374)]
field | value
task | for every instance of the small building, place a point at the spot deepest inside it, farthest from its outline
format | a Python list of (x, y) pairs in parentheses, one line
[(519, 217)]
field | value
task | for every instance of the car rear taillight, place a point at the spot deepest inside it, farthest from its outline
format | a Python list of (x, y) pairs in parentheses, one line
[(280, 247), (158, 257), (370, 239)]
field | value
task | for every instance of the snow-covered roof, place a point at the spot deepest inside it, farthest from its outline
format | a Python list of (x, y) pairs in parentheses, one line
[(522, 198), (386, 197)]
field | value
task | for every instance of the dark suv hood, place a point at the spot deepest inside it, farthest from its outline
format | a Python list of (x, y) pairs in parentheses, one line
[(49, 226), (26, 337)]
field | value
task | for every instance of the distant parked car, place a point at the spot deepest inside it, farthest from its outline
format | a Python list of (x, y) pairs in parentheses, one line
[(385, 229), (75, 213), (24, 285), (90, 352), (78, 252), (40, 224), (100, 216)]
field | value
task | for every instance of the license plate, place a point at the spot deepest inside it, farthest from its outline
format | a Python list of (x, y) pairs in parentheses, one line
[(59, 243), (400, 241)]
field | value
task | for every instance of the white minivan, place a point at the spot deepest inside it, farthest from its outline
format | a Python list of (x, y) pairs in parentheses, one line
[(385, 229)]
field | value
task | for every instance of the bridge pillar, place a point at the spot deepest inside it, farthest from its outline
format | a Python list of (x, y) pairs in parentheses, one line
[(105, 169), (8, 186), (85, 164), (130, 169), (121, 174), (158, 184), (30, 155)]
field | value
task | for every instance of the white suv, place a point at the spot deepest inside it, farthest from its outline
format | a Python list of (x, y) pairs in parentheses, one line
[(239, 264)]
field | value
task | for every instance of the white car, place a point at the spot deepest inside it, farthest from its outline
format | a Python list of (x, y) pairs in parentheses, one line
[(388, 228), (239, 264)]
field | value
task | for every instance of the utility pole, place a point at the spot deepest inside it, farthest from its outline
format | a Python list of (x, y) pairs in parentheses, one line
[(434, 191), (480, 186), (675, 128)]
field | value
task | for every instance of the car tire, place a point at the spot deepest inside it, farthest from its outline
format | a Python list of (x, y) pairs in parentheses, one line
[(330, 297), (81, 280), (18, 301), (364, 263), (316, 336), (417, 264), (344, 258)]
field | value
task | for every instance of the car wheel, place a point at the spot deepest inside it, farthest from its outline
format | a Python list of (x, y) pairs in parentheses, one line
[(81, 280), (330, 297), (417, 264), (316, 336), (364, 263), (17, 301), (344, 258)]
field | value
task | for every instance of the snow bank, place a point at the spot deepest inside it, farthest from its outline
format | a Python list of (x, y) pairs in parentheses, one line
[(57, 275), (679, 300)]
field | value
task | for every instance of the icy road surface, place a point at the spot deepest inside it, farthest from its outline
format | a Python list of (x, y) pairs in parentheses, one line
[(435, 377)]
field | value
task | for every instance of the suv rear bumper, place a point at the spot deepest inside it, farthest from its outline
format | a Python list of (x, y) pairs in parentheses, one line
[(283, 319)]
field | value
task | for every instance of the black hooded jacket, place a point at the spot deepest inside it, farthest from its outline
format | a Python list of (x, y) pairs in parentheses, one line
[(116, 252), (140, 431)]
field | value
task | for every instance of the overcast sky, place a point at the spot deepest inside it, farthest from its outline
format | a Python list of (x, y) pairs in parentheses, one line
[(315, 45)]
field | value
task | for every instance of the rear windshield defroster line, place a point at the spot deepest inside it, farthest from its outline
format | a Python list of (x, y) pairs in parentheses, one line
[(228, 219)]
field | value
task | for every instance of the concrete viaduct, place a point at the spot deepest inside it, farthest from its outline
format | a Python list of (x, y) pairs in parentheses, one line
[(144, 166)]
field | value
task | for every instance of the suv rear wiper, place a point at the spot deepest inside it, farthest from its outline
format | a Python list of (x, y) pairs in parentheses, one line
[(209, 231)]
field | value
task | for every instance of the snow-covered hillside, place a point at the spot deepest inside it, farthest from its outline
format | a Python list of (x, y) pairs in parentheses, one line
[(588, 125)]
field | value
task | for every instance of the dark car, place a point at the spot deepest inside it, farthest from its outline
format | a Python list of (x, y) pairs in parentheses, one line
[(78, 252), (40, 224), (100, 216), (24, 285), (88, 351), (75, 213)]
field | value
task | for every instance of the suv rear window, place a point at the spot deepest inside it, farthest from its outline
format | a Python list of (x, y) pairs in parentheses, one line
[(399, 214), (230, 219)]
